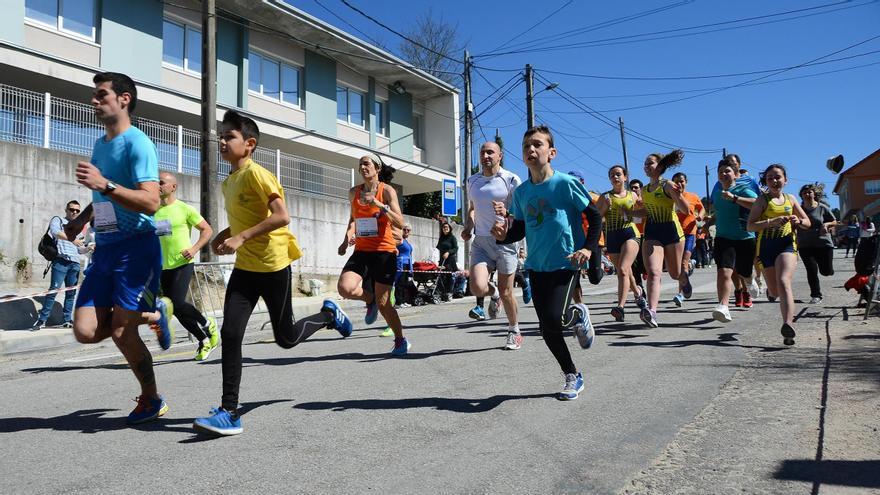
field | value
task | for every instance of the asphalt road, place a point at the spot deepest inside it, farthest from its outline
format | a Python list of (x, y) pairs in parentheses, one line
[(459, 415)]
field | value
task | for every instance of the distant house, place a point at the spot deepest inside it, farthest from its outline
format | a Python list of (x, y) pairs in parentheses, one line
[(859, 188)]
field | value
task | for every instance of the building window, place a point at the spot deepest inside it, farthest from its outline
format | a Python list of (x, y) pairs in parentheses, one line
[(350, 106), (273, 79), (380, 109), (182, 46), (71, 16), (872, 186), (417, 130)]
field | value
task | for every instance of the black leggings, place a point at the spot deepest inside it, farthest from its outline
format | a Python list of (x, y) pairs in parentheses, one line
[(817, 260), (551, 293), (175, 285), (242, 292)]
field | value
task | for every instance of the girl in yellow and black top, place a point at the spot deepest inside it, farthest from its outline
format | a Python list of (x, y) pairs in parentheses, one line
[(664, 237), (619, 206), (774, 216)]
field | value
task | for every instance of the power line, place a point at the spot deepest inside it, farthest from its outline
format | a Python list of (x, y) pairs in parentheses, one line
[(594, 27), (414, 42), (657, 35), (709, 76), (533, 26), (334, 14)]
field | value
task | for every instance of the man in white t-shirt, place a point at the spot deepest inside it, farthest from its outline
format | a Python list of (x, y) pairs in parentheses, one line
[(489, 194)]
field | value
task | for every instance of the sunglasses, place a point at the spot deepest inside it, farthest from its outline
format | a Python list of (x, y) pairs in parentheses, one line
[(73, 210)]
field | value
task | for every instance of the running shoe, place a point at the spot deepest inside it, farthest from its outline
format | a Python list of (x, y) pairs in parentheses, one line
[(164, 328), (494, 302), (649, 316), (617, 313), (69, 324), (747, 299), (678, 299), (213, 334), (220, 422), (574, 385), (205, 350), (721, 313), (38, 325), (527, 294), (514, 341), (815, 300), (788, 334), (388, 332), (754, 290), (641, 302), (147, 409), (583, 329), (691, 267), (372, 312), (738, 296), (770, 297), (401, 347), (477, 313), (341, 322), (687, 290)]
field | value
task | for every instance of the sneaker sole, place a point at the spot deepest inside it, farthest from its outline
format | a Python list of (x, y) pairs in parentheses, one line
[(719, 316), (224, 432), (141, 421)]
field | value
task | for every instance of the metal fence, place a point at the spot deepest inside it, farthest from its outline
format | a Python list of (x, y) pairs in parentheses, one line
[(38, 119), (208, 290)]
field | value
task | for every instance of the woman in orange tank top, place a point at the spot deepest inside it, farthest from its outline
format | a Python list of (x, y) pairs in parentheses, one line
[(370, 271)]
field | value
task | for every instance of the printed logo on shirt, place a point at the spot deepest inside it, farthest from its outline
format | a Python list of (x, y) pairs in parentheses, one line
[(536, 214)]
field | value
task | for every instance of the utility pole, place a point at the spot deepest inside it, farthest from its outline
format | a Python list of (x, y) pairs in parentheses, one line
[(709, 198), (209, 121), (623, 144), (468, 143), (530, 97)]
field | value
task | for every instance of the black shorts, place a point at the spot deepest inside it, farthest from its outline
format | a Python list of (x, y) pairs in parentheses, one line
[(770, 249), (665, 233), (615, 239), (737, 255), (379, 266)]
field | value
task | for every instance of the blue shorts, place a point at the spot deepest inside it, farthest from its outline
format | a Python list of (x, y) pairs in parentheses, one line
[(615, 239), (689, 242), (665, 233), (125, 274), (770, 249)]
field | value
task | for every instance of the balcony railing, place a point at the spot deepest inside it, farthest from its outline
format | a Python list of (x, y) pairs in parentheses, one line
[(38, 119)]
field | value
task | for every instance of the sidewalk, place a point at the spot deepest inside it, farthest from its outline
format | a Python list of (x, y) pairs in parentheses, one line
[(17, 341)]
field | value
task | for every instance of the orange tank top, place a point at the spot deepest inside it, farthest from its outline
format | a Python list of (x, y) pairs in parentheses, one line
[(373, 231)]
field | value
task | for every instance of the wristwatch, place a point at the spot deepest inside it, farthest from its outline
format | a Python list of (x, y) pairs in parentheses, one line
[(109, 188)]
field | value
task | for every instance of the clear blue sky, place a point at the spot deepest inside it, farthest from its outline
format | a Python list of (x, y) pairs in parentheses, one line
[(798, 122)]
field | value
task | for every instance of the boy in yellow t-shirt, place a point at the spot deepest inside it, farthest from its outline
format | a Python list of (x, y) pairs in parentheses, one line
[(174, 223), (264, 248)]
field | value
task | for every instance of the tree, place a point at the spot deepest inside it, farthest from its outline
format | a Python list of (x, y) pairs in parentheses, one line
[(436, 50)]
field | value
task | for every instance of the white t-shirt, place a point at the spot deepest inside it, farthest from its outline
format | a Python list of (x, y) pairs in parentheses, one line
[(483, 190)]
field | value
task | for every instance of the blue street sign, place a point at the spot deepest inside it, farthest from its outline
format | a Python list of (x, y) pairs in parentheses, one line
[(450, 198)]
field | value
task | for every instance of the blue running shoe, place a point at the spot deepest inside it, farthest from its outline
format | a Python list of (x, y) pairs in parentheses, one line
[(341, 322), (477, 313), (220, 422), (574, 385), (527, 294), (678, 299), (687, 290), (147, 409), (401, 347), (164, 328), (372, 312)]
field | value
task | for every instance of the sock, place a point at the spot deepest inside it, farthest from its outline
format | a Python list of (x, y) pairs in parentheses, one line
[(513, 328)]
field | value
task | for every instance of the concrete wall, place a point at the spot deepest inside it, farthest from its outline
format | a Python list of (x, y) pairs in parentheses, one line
[(37, 183)]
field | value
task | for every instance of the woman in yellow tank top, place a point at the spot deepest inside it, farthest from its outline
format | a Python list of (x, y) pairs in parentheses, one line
[(663, 238), (619, 206), (774, 216)]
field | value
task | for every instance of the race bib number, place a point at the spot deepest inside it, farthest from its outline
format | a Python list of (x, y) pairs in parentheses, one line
[(366, 227), (105, 217), (163, 227)]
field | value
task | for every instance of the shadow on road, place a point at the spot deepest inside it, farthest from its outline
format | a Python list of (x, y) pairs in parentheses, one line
[(88, 421), (439, 403), (864, 474), (723, 340)]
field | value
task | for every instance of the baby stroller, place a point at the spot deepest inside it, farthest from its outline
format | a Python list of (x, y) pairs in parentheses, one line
[(430, 283)]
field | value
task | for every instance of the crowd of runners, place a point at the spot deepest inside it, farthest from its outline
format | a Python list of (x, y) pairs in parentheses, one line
[(143, 261)]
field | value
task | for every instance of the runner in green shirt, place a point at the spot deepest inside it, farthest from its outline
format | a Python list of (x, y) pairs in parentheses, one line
[(174, 222)]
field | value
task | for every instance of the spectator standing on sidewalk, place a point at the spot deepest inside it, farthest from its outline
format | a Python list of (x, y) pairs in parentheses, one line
[(65, 268)]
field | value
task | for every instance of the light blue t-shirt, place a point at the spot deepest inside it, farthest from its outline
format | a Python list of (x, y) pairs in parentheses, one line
[(127, 160), (742, 180), (731, 219), (552, 214)]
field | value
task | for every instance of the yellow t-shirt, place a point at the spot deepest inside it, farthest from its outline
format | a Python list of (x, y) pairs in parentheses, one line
[(248, 192)]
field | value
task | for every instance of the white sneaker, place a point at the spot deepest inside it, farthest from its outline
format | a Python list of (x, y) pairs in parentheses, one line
[(583, 329), (494, 302), (815, 300), (754, 290), (722, 313), (514, 341)]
